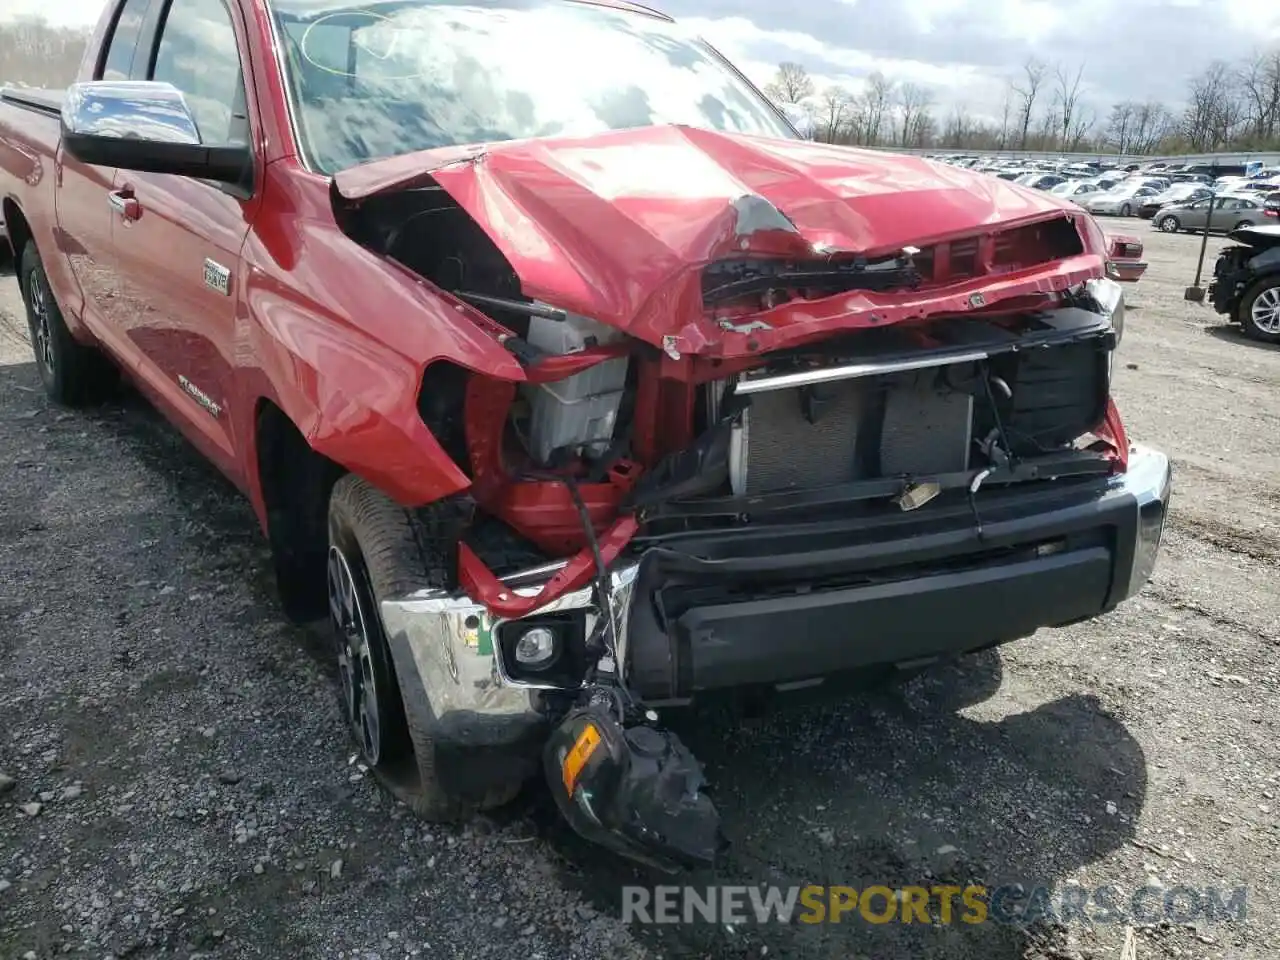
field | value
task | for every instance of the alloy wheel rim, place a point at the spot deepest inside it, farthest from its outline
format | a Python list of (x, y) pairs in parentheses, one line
[(40, 331), (1168, 225), (1266, 311), (360, 694)]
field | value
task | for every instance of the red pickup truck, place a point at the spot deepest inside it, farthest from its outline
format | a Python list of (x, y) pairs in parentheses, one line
[(569, 382)]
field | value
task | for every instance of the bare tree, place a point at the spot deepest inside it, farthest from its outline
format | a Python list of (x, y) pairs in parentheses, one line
[(1259, 83), (1272, 75), (1082, 124), (959, 128), (1028, 89), (858, 113), (913, 100), (1153, 123), (1066, 97), (791, 84), (1214, 107), (1120, 124), (1047, 132), (879, 99), (923, 130), (837, 106), (1005, 113)]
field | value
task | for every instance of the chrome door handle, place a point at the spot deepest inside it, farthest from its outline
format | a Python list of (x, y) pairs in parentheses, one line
[(125, 204)]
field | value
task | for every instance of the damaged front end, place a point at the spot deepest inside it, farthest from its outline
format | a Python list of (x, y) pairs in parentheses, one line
[(732, 416)]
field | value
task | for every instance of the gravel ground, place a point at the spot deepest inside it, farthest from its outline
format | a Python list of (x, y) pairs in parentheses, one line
[(174, 780)]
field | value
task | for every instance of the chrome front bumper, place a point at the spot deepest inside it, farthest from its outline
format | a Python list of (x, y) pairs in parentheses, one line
[(1149, 480), (450, 666)]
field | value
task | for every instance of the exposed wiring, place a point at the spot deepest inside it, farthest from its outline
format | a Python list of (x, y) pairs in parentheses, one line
[(973, 498), (603, 593), (995, 412)]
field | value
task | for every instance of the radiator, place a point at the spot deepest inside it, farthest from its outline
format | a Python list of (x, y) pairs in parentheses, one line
[(849, 430)]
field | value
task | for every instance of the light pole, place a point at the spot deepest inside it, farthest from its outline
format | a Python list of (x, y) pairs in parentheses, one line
[(1195, 292)]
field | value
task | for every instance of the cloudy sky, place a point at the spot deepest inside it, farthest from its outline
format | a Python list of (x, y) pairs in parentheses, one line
[(962, 49)]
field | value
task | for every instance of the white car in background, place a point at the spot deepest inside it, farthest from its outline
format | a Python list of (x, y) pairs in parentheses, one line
[(1123, 201), (1076, 190)]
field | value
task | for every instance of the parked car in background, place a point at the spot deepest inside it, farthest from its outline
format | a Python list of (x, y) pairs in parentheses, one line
[(1075, 190), (1041, 181), (1229, 213), (1246, 282), (1258, 186), (1123, 201), (1178, 193)]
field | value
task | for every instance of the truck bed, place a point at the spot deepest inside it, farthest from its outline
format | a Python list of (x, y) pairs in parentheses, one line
[(30, 129)]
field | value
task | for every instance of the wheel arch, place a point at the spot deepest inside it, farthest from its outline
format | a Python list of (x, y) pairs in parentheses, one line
[(16, 226), (290, 483)]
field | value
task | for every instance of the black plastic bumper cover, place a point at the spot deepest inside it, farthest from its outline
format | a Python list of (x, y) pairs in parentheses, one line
[(786, 604)]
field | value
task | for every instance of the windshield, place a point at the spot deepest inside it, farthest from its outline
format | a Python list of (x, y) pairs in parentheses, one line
[(381, 78)]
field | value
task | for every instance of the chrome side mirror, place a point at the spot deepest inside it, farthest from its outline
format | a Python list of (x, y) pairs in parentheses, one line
[(128, 110), (144, 125)]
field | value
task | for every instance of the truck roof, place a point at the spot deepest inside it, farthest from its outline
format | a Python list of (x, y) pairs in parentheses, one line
[(627, 5)]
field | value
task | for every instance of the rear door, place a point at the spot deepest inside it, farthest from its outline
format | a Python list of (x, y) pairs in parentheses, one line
[(179, 258), (83, 201)]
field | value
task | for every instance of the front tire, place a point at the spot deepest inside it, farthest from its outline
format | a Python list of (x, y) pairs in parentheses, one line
[(374, 555), (1124, 210), (1259, 311), (73, 375), (1169, 225)]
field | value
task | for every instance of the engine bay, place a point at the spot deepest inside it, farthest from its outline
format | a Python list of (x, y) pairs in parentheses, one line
[(606, 427)]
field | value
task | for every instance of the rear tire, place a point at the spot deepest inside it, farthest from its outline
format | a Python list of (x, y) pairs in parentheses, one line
[(1259, 311), (374, 555), (1241, 225), (1169, 225), (73, 375)]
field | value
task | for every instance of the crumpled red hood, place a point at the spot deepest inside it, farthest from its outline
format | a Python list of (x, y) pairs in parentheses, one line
[(616, 226)]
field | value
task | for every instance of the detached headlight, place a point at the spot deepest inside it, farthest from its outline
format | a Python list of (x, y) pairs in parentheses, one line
[(1109, 296)]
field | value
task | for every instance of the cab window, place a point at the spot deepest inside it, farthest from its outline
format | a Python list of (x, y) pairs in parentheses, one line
[(197, 53), (124, 40)]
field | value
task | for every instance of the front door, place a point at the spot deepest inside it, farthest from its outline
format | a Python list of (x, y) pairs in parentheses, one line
[(178, 248), (84, 204)]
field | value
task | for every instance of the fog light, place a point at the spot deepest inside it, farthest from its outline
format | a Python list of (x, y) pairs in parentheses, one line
[(536, 648)]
